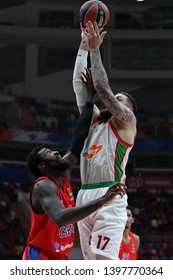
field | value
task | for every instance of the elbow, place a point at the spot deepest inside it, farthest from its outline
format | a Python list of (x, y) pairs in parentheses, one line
[(60, 220), (60, 223)]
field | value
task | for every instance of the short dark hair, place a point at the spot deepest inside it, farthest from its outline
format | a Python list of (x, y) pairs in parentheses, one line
[(33, 160), (132, 210), (132, 101)]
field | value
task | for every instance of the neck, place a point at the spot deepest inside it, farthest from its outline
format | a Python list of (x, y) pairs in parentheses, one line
[(126, 233), (56, 178)]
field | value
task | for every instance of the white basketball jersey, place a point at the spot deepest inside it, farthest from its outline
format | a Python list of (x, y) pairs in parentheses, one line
[(104, 155)]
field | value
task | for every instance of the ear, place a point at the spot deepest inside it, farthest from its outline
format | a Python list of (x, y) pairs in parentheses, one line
[(41, 165)]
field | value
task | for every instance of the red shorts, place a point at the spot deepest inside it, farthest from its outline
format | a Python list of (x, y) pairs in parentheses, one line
[(33, 253)]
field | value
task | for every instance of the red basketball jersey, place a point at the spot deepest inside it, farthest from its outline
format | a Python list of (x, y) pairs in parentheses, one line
[(128, 252), (44, 233)]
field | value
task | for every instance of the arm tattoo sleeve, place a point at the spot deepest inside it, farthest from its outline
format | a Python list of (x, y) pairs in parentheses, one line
[(104, 91)]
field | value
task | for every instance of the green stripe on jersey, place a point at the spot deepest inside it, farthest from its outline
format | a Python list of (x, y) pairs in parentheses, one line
[(121, 151), (97, 185)]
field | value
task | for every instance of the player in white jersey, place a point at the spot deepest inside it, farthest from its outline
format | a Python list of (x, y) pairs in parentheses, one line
[(105, 153)]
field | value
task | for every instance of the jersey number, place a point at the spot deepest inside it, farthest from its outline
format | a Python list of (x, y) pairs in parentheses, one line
[(102, 242)]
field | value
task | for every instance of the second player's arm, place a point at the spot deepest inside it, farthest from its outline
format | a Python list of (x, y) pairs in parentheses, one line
[(46, 193), (80, 88)]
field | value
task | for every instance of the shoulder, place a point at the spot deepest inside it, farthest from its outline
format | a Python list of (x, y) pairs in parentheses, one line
[(126, 132), (43, 187)]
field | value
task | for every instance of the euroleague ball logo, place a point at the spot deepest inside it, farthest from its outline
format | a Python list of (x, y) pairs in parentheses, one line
[(100, 23)]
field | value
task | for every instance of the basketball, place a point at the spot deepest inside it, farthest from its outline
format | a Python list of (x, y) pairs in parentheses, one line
[(95, 11)]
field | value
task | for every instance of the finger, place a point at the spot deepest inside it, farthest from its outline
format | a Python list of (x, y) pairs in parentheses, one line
[(84, 77), (119, 190), (81, 27), (86, 26), (103, 35), (96, 28), (84, 30), (88, 72), (83, 80), (90, 27), (122, 193), (120, 184)]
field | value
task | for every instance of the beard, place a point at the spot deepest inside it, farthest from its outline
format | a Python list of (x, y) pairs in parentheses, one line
[(58, 166)]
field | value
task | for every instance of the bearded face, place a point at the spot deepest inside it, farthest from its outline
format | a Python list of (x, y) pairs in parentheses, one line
[(53, 161), (57, 165)]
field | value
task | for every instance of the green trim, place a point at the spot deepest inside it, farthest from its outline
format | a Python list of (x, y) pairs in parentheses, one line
[(121, 151), (97, 185)]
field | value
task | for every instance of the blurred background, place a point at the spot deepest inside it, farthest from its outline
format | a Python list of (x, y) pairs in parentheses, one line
[(38, 45)]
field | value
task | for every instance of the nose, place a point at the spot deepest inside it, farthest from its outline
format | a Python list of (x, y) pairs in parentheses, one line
[(57, 154)]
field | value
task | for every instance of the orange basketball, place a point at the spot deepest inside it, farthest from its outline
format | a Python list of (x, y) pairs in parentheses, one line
[(94, 11)]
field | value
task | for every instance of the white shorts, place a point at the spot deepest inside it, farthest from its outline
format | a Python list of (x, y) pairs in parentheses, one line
[(101, 232)]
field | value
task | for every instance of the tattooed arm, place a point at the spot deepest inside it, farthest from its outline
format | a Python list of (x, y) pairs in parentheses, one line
[(119, 111), (121, 114)]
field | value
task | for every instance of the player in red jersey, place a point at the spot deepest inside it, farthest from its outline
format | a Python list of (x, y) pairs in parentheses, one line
[(52, 203), (131, 241)]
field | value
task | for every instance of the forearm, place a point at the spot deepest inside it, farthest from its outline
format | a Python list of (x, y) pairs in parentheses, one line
[(101, 84), (83, 123), (99, 75), (81, 129), (79, 87), (84, 45), (73, 215)]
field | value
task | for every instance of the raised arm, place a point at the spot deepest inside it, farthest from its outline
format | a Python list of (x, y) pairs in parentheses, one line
[(80, 89), (80, 133), (120, 113)]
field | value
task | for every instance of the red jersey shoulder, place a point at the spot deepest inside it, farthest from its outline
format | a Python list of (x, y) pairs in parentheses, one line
[(128, 252)]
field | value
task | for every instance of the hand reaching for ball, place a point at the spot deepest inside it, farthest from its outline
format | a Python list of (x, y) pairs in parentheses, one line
[(94, 35)]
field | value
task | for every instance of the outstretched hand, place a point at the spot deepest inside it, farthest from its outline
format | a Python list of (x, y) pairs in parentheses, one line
[(115, 190), (94, 35)]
